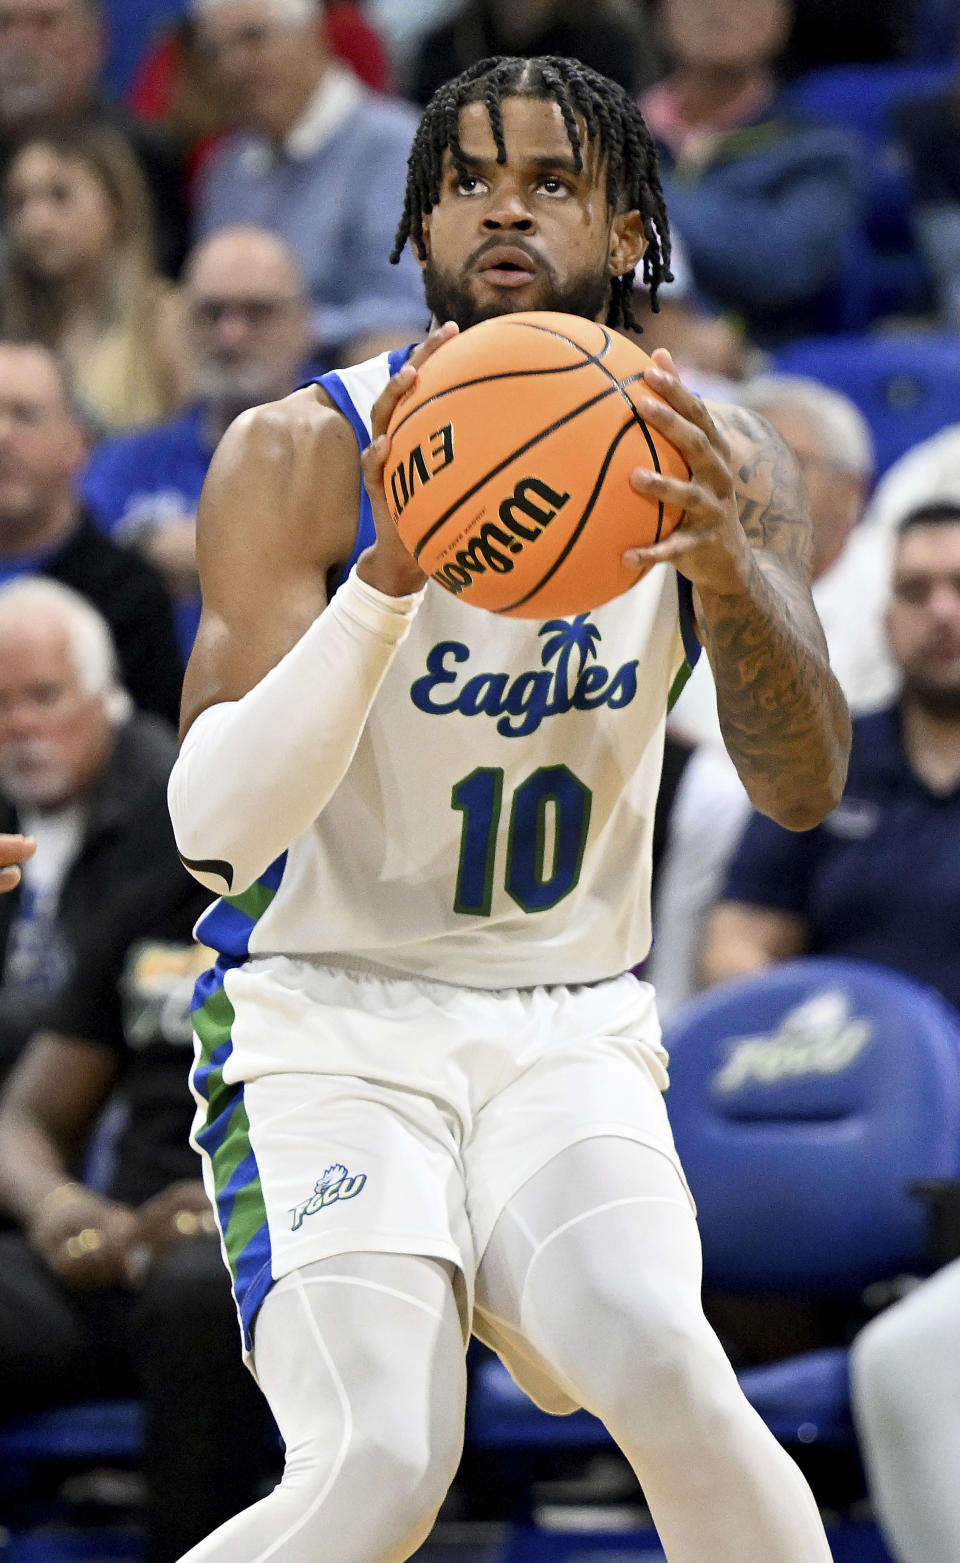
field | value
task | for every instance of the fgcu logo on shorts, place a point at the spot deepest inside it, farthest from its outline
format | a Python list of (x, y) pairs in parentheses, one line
[(521, 704), (335, 1184)]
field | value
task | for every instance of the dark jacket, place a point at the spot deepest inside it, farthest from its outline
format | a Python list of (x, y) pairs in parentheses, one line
[(125, 878), (133, 599)]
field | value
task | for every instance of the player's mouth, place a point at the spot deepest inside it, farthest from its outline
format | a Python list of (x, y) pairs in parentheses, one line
[(507, 266)]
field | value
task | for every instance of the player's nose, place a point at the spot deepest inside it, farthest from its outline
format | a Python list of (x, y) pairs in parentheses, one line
[(507, 209)]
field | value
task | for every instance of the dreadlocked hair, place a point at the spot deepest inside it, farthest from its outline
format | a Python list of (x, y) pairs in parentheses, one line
[(612, 119)]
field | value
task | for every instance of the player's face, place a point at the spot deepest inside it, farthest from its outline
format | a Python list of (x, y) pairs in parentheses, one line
[(923, 619), (531, 233)]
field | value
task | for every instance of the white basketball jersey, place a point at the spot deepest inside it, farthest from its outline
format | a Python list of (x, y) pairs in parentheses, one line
[(494, 828)]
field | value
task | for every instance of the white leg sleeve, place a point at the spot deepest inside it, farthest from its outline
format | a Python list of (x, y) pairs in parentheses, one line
[(596, 1262), (361, 1359), (254, 773), (905, 1376)]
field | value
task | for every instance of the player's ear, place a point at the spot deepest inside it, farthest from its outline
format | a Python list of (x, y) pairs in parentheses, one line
[(425, 233), (627, 243)]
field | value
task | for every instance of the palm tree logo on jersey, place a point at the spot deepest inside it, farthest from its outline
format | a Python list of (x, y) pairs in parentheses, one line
[(570, 678), (566, 637), (336, 1183)]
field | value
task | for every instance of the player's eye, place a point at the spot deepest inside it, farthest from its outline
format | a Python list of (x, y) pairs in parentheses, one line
[(554, 185), (468, 184)]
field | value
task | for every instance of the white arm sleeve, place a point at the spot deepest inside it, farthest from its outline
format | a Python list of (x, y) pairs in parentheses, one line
[(254, 773)]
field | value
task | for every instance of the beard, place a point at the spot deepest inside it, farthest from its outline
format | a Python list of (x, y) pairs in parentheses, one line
[(936, 698), (234, 388), (32, 776), (585, 293)]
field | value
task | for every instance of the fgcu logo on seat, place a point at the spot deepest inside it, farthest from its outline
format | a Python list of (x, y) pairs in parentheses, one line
[(335, 1184), (817, 1037), (521, 704)]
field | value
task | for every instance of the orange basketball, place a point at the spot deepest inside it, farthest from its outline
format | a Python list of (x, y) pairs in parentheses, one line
[(509, 465)]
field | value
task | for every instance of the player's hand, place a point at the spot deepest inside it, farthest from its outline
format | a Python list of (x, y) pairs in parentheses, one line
[(708, 545), (387, 565), (14, 850), (84, 1238)]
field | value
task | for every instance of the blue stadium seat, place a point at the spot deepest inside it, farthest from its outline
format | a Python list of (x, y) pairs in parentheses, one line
[(907, 385), (862, 97), (885, 272), (805, 1104), (101, 1432), (90, 1433)]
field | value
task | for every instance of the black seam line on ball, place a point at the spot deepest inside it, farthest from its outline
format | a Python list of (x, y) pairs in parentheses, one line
[(578, 529), (209, 865), (512, 374), (520, 451), (655, 456)]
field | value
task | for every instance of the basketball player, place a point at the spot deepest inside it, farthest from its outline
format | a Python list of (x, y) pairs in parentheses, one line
[(430, 1099)]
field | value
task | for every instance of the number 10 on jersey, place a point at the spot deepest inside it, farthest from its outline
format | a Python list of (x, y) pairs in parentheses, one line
[(545, 837)]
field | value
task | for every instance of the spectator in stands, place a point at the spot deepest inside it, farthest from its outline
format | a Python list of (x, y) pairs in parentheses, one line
[(322, 161), (605, 35), (879, 879), (764, 202), (80, 274), (905, 1396), (118, 1291), (833, 446), (51, 54), (76, 774), (44, 530), (928, 130), (247, 318)]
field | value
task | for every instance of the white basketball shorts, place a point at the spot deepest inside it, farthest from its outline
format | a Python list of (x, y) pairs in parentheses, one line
[(348, 1110)]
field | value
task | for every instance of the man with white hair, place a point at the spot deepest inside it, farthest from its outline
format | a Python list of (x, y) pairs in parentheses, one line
[(834, 448), (119, 1288), (247, 321), (319, 159), (83, 777)]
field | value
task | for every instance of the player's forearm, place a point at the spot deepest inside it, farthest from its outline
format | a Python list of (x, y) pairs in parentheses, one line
[(253, 774), (783, 715)]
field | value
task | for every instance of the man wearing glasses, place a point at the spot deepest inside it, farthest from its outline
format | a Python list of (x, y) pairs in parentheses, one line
[(247, 319)]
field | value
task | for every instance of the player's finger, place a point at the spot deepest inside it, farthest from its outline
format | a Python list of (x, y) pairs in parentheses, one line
[(437, 337), (9, 878), (702, 455), (674, 547), (668, 384), (399, 384), (671, 491), (663, 358)]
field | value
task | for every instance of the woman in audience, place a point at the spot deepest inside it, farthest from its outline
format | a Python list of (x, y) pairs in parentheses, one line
[(80, 274)]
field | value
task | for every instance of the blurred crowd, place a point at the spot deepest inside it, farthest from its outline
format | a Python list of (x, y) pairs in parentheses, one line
[(197, 212)]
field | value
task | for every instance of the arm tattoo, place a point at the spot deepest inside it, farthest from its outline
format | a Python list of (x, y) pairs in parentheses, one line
[(783, 716)]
